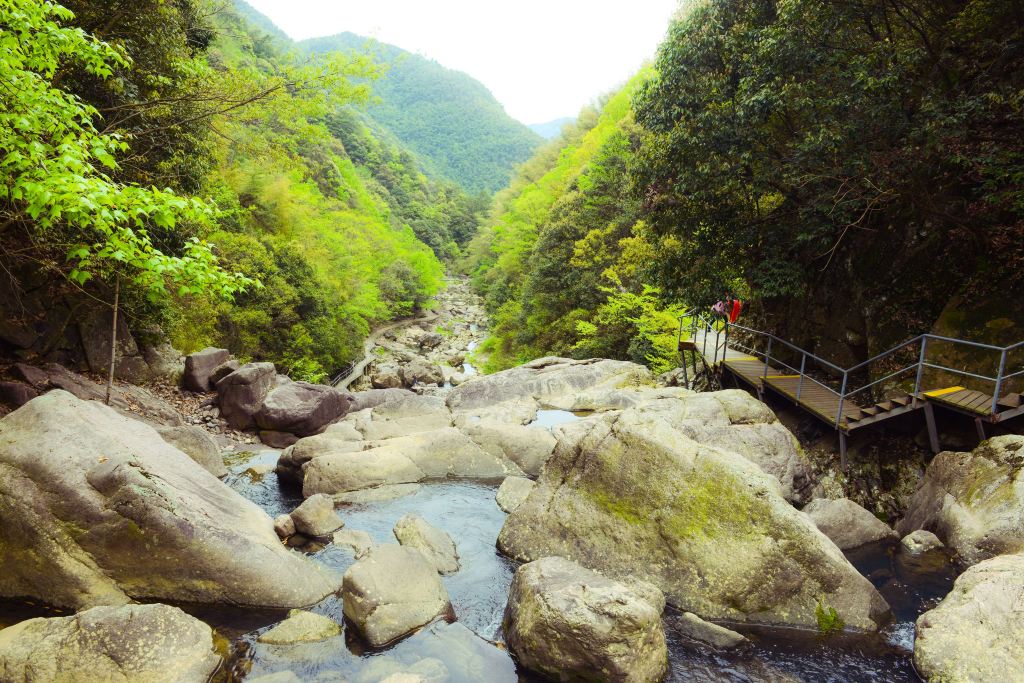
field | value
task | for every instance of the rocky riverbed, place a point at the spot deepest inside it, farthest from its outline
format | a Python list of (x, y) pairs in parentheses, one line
[(562, 519)]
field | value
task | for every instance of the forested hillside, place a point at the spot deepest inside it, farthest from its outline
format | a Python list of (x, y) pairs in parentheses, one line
[(283, 226), (854, 171), (449, 119)]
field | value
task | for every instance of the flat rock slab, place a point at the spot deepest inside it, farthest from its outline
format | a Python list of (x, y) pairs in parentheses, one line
[(129, 643)]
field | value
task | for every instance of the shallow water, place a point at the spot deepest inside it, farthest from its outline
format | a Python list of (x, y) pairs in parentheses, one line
[(467, 511), (548, 418)]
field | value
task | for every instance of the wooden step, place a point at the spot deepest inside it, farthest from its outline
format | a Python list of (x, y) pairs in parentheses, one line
[(885, 406), (902, 400), (871, 410), (1010, 401), (853, 414)]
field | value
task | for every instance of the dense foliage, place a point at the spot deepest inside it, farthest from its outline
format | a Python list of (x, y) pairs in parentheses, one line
[(266, 172), (449, 119), (852, 167)]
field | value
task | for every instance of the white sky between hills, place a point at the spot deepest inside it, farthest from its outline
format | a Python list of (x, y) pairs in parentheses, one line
[(542, 59)]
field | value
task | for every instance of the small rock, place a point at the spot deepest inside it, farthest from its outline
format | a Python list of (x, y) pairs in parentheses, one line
[(316, 516), (921, 552), (16, 394), (391, 592), (301, 627), (415, 532), (223, 370), (198, 445), (513, 491), (695, 628), (284, 526), (277, 439)]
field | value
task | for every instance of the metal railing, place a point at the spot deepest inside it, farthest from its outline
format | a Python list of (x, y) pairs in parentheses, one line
[(707, 325)]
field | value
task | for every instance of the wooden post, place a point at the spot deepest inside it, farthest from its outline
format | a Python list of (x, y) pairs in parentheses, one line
[(113, 337)]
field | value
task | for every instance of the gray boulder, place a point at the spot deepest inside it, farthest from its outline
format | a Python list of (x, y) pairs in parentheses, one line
[(975, 633), (359, 542), (199, 366), (628, 494), (572, 624), (198, 444), (695, 628), (277, 439), (513, 492), (223, 370), (412, 531), (372, 398), (386, 377), (301, 627), (316, 517), (551, 381), (302, 408), (142, 643), (431, 340), (94, 330), (848, 525), (164, 361), (421, 371), (391, 592), (99, 510), (241, 394), (284, 526), (973, 501)]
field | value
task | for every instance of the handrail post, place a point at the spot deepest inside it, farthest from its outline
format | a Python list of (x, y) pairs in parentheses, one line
[(800, 384), (842, 395), (679, 336), (999, 380), (920, 366), (725, 349), (767, 357), (717, 334)]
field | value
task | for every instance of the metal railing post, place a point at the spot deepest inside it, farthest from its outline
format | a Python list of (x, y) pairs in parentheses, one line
[(800, 384), (842, 395), (717, 335), (999, 380), (679, 335), (767, 357), (920, 367), (725, 349)]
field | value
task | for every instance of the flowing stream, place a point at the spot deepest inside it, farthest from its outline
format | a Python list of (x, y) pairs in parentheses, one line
[(467, 511)]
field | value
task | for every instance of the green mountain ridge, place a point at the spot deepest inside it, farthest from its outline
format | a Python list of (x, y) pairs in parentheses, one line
[(451, 120)]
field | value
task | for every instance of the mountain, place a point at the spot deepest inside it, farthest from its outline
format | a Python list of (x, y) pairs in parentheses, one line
[(551, 129), (449, 119)]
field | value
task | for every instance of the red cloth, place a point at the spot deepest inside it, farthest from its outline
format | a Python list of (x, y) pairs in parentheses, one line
[(737, 307)]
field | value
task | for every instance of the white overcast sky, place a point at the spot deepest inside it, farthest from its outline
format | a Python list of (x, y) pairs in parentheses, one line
[(542, 59)]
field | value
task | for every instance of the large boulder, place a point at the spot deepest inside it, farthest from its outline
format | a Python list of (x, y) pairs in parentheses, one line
[(198, 444), (973, 501), (199, 366), (412, 531), (402, 416), (849, 525), (391, 592), (302, 408), (436, 454), (572, 624), (628, 494), (421, 371), (241, 394), (528, 447), (386, 377), (975, 633), (94, 330), (98, 509), (550, 380), (141, 643), (371, 398), (16, 394)]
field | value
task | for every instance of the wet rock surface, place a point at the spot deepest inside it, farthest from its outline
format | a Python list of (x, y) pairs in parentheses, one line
[(127, 643), (412, 531), (849, 525), (571, 623)]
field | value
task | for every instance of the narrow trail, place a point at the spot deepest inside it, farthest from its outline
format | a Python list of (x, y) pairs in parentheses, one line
[(371, 343)]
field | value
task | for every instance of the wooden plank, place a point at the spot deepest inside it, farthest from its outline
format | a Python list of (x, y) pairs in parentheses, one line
[(1010, 401)]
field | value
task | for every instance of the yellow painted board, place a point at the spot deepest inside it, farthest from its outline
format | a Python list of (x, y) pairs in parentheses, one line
[(943, 392)]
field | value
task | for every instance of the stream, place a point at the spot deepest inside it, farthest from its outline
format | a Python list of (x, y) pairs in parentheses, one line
[(467, 511)]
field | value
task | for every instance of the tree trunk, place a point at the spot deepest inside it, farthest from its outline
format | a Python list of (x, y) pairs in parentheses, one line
[(113, 337)]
